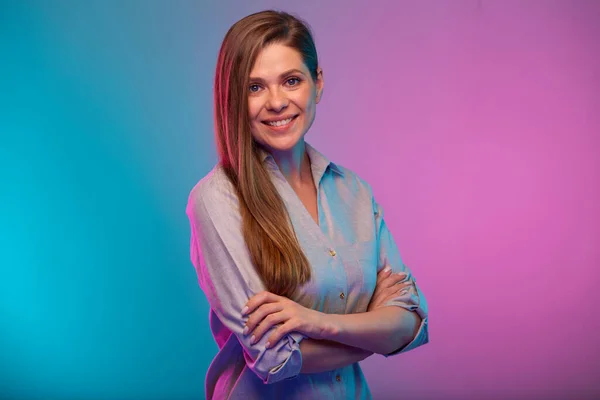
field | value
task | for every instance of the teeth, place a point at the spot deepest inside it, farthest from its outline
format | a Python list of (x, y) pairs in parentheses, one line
[(280, 123)]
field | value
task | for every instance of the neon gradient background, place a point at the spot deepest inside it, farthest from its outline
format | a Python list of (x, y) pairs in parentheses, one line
[(476, 122)]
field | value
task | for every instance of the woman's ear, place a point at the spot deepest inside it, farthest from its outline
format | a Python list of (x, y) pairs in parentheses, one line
[(319, 84)]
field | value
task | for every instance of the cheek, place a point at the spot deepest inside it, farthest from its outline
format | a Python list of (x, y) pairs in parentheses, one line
[(309, 99), (309, 107), (253, 109)]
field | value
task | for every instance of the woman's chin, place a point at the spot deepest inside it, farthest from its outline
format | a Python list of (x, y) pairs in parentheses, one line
[(283, 143)]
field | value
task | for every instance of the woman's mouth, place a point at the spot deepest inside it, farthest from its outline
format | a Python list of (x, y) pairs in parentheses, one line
[(281, 125)]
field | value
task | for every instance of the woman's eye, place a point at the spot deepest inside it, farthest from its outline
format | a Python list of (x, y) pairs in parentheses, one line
[(253, 88), (293, 81)]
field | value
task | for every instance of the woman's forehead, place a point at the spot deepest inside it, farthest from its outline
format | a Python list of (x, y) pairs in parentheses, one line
[(276, 59)]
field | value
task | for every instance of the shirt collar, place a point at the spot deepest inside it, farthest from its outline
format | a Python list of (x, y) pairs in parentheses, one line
[(318, 161)]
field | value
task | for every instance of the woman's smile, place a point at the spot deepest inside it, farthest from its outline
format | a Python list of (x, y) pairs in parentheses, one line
[(281, 126)]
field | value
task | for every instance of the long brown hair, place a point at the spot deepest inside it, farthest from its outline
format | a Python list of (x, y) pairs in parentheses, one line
[(267, 228)]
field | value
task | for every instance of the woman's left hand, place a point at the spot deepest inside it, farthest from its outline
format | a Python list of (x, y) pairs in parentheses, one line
[(267, 309)]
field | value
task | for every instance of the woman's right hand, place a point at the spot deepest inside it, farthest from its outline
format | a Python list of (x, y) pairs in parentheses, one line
[(388, 287)]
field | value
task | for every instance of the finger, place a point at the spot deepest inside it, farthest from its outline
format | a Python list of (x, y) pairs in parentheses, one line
[(394, 291), (376, 292), (384, 273), (393, 279), (389, 282), (260, 314), (258, 299), (374, 303), (266, 324), (280, 332), (403, 289)]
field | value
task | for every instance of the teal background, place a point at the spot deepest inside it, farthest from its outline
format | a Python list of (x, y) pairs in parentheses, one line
[(106, 122)]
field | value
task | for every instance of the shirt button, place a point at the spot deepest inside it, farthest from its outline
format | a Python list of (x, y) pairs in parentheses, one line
[(332, 252), (338, 378), (342, 295)]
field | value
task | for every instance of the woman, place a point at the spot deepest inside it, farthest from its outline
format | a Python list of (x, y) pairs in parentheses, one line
[(302, 275)]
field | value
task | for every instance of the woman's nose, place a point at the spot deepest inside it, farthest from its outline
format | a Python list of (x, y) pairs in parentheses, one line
[(277, 100)]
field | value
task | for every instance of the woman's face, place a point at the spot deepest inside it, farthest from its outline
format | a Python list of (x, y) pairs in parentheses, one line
[(281, 87)]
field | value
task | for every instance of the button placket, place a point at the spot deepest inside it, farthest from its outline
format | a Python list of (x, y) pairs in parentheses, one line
[(338, 261)]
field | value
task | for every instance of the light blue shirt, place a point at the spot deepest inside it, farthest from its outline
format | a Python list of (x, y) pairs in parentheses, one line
[(346, 250)]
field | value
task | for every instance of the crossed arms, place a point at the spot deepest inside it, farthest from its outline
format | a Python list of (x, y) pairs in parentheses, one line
[(226, 275)]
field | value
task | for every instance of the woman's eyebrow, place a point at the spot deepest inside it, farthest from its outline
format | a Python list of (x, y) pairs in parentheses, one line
[(281, 76)]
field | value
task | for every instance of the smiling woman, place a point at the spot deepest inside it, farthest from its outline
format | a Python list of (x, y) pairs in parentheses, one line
[(303, 278)]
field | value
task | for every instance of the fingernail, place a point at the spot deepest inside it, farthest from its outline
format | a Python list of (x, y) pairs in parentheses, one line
[(244, 310), (252, 339), (387, 269), (268, 345), (245, 330)]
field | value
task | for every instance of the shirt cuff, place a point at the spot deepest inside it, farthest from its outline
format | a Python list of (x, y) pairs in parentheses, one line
[(413, 300), (291, 367), (421, 338)]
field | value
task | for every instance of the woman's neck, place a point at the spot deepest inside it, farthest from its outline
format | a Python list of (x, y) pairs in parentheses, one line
[(294, 165)]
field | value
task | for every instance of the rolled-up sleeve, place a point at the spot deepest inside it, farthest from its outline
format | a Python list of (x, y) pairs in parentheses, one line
[(411, 298), (228, 278)]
